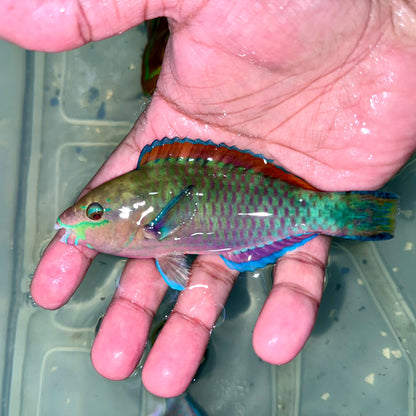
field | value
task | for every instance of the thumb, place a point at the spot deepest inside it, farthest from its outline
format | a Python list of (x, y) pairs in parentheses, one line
[(54, 26)]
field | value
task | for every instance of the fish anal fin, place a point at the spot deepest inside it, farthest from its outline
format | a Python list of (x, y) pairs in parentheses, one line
[(174, 268), (257, 257), (207, 150)]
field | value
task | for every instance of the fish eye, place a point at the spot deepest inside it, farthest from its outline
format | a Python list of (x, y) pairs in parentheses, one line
[(95, 211)]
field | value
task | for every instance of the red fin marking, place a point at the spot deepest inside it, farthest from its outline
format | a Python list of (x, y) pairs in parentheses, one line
[(224, 154)]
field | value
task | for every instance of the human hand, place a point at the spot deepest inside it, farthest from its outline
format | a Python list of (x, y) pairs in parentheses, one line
[(323, 88)]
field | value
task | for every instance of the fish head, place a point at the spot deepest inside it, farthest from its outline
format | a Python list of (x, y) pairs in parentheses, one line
[(104, 219)]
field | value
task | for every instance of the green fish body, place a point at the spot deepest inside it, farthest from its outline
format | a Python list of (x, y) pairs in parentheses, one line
[(194, 197)]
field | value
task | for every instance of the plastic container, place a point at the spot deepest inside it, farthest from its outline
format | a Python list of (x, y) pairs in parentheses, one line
[(60, 117)]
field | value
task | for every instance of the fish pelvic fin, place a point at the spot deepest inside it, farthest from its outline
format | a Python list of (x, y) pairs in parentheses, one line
[(174, 268)]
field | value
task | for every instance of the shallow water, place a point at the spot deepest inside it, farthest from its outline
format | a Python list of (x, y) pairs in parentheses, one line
[(60, 117)]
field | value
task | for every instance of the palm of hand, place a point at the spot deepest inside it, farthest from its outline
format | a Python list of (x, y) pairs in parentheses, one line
[(324, 103), (323, 95)]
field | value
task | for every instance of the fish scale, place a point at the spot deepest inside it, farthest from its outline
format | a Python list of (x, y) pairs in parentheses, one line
[(257, 200)]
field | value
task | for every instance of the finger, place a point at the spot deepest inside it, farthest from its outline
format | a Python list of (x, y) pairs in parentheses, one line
[(289, 313), (124, 330), (59, 273), (178, 350), (62, 25)]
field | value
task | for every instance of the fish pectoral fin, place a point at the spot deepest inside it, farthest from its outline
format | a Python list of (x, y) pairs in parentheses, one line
[(254, 258), (175, 213), (174, 269)]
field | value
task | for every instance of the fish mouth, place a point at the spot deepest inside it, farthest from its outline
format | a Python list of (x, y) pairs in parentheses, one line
[(69, 237)]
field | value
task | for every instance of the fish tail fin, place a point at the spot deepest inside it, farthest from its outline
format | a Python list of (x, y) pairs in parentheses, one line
[(368, 215)]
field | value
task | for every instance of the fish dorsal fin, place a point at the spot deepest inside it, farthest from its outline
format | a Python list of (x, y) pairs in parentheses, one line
[(211, 152)]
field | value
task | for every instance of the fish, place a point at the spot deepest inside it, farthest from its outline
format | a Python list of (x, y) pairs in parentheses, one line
[(158, 35), (182, 406), (178, 406), (189, 196)]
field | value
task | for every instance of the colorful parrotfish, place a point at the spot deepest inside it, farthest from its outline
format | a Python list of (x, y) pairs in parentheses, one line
[(194, 197)]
